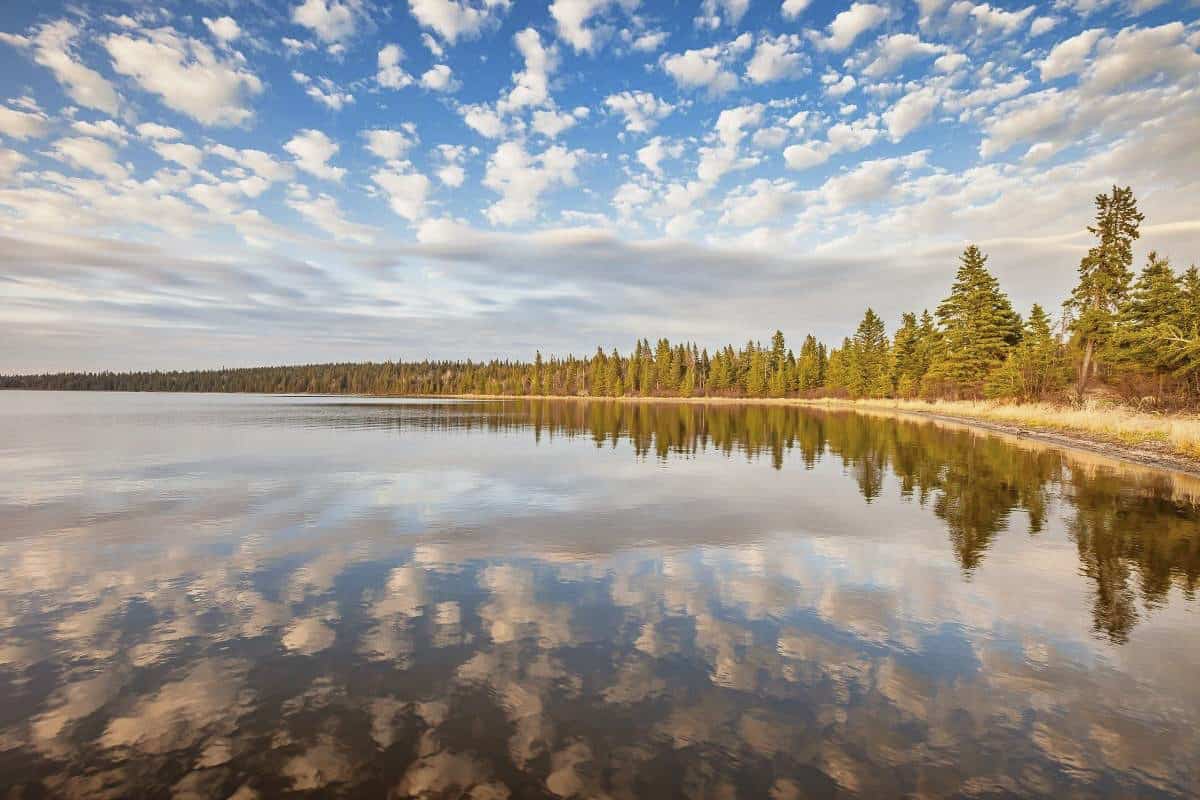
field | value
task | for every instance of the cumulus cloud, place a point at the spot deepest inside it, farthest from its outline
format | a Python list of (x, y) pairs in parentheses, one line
[(331, 21), (22, 124), (91, 155), (439, 78), (521, 178), (453, 20), (850, 24), (642, 110), (571, 19), (224, 29), (910, 112), (406, 190), (708, 67), (776, 58), (390, 145), (312, 150), (531, 86), (53, 46), (181, 153), (895, 50), (792, 9), (655, 151), (1070, 55), (324, 212), (388, 72), (186, 74)]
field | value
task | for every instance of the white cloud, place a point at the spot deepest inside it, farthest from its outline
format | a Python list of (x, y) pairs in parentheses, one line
[(656, 151), (452, 175), (483, 120), (895, 50), (571, 18), (910, 112), (453, 20), (531, 86), (1042, 25), (389, 145), (521, 178), (260, 163), (850, 24), (388, 72), (406, 189), (761, 202), (152, 130), (707, 68), (332, 21), (867, 182), (92, 155), (22, 124), (1070, 55), (312, 150), (10, 163), (646, 41), (324, 212), (439, 78), (324, 91), (224, 29), (791, 9), (776, 58), (183, 154), (186, 74), (53, 48), (771, 138), (295, 46), (844, 137), (714, 12), (839, 87), (949, 62), (550, 123), (642, 110), (989, 19)]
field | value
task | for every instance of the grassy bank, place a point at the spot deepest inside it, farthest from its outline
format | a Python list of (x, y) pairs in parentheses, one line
[(1175, 434)]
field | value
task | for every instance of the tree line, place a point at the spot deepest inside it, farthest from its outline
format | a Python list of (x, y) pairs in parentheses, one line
[(1136, 336)]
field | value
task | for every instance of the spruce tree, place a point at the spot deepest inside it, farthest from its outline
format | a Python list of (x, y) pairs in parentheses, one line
[(1148, 319), (870, 373), (1104, 276), (979, 326)]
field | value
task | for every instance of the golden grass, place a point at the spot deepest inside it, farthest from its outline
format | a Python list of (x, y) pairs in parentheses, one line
[(1176, 432)]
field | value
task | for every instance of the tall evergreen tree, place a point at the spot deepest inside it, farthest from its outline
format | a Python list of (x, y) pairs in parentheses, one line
[(1104, 276), (979, 326), (1148, 319), (870, 375)]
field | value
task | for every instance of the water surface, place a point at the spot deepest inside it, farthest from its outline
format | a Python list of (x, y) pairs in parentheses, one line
[(215, 596)]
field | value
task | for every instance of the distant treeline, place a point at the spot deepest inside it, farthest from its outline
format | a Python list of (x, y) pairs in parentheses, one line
[(1138, 337)]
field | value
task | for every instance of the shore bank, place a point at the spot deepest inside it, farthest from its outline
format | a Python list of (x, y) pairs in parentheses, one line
[(1161, 441)]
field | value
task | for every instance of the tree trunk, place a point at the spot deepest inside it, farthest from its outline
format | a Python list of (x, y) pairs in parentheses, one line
[(1084, 368)]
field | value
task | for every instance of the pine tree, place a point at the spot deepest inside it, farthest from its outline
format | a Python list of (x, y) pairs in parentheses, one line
[(1036, 368), (1148, 319), (1104, 276), (979, 326), (869, 374), (757, 377)]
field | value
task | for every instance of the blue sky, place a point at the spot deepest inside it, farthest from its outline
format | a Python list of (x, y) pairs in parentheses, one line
[(205, 183)]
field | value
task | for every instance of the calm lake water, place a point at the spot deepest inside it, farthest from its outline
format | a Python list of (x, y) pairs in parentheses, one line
[(215, 596)]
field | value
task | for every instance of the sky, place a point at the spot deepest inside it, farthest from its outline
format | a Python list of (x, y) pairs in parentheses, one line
[(219, 183)]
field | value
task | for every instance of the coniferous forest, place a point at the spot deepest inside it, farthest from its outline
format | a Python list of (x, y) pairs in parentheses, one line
[(1134, 336)]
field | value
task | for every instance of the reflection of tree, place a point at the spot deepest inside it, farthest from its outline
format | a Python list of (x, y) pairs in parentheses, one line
[(1120, 533), (1132, 536)]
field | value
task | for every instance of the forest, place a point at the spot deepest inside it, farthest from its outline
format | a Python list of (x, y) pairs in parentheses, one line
[(1135, 337)]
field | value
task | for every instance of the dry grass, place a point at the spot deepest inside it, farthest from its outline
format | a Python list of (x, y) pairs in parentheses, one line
[(1178, 433)]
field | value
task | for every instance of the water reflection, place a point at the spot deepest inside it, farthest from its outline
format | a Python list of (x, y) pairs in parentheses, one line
[(215, 597)]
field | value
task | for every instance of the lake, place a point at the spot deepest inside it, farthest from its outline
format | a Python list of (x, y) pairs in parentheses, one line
[(244, 596)]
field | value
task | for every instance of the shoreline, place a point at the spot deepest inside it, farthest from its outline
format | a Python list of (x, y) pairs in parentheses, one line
[(1157, 455), (1149, 448)]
